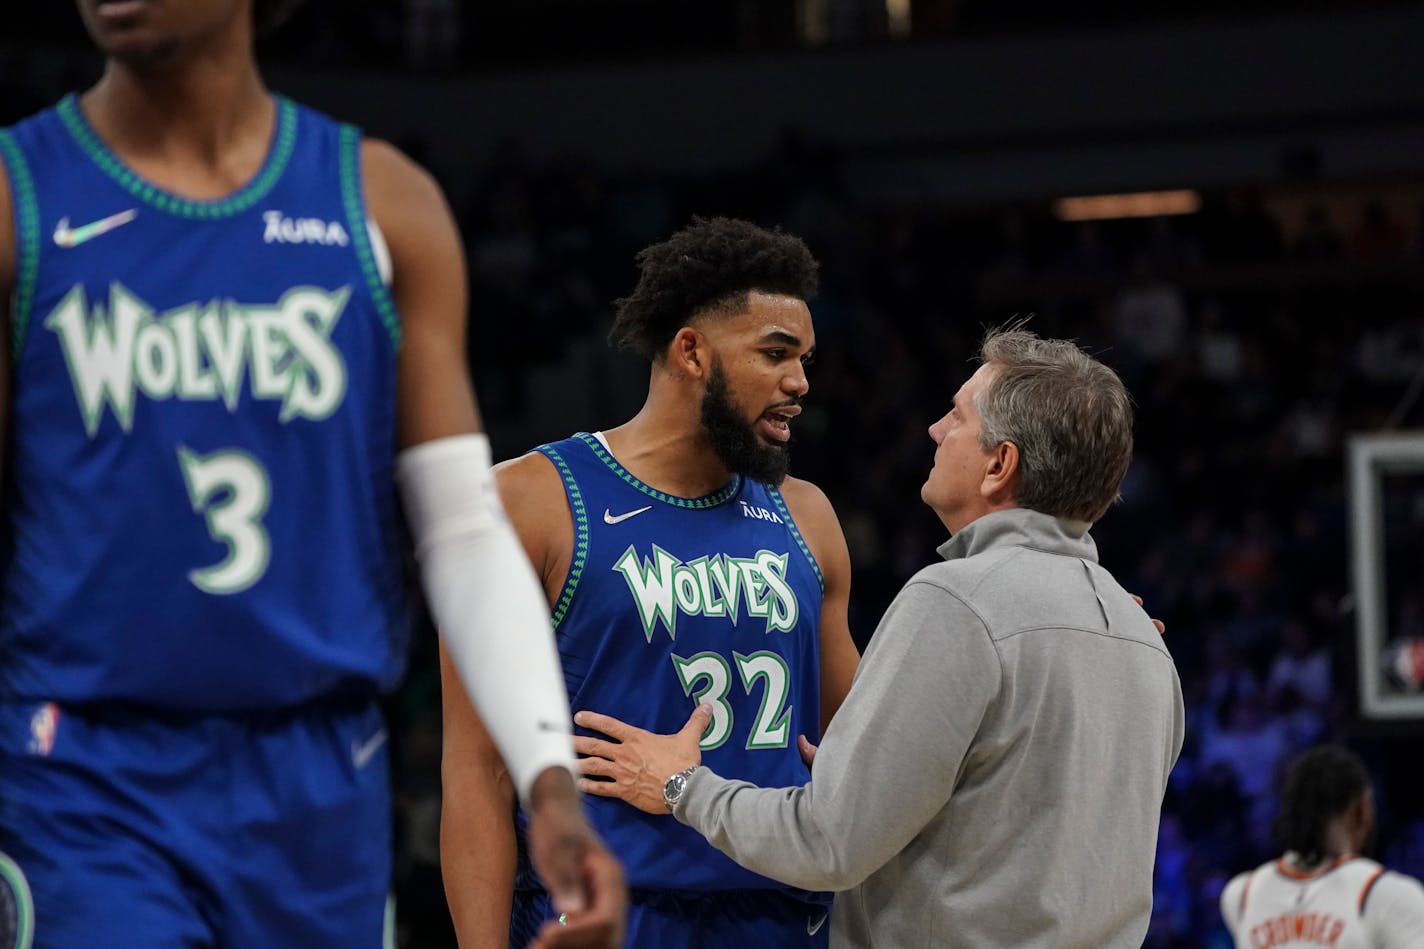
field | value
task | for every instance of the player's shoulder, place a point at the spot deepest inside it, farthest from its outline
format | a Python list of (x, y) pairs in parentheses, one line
[(386, 167), (1390, 892), (806, 500), (1233, 896), (531, 471)]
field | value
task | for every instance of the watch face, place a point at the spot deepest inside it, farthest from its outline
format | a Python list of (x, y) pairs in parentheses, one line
[(673, 788)]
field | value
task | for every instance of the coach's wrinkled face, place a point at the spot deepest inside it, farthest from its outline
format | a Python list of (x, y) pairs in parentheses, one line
[(953, 488)]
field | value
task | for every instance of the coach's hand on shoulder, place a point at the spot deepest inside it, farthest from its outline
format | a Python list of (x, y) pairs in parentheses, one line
[(584, 880), (1161, 626), (635, 764)]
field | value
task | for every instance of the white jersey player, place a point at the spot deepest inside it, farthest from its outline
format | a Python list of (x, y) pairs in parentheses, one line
[(1320, 893)]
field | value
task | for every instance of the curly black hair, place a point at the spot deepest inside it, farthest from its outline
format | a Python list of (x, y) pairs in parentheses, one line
[(267, 15), (1321, 783), (710, 265)]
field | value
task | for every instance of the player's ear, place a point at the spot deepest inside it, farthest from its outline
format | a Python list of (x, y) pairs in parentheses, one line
[(689, 353)]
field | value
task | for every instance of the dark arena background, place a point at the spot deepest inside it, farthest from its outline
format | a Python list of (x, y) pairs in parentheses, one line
[(1224, 200)]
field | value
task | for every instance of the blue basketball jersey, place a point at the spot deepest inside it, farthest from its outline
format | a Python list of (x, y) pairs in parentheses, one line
[(672, 601), (201, 512)]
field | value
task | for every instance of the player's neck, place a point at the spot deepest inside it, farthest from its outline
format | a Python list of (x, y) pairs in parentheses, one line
[(668, 453), (197, 110)]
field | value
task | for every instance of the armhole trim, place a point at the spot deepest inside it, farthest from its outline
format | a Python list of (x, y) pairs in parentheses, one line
[(1369, 885), (780, 503), (579, 560), (1245, 891), (355, 207), (27, 239)]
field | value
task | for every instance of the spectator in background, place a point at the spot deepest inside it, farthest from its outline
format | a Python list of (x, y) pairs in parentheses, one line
[(1320, 891)]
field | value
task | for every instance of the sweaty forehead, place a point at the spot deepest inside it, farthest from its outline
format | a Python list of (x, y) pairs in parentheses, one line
[(773, 316)]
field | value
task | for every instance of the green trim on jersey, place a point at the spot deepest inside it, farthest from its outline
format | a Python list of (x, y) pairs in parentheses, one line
[(580, 557), (780, 503), (355, 206), (27, 226), (12, 876), (255, 190), (722, 496)]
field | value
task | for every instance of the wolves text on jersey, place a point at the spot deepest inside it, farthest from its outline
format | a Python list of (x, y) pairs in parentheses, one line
[(663, 586), (202, 352)]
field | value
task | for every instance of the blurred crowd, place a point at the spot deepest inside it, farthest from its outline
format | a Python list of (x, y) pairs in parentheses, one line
[(1255, 336), (1253, 346), (447, 36)]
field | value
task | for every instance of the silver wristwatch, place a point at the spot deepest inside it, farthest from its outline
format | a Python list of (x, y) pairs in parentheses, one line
[(674, 787)]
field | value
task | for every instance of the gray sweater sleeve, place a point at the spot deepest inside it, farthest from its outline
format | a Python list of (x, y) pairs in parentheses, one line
[(888, 762)]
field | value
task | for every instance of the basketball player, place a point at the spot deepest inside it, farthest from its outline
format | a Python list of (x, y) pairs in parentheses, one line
[(1321, 892), (682, 566), (230, 325)]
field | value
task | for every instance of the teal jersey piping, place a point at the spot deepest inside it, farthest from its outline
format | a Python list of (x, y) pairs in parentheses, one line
[(721, 496), (780, 503), (284, 142), (355, 205), (580, 558), (27, 225)]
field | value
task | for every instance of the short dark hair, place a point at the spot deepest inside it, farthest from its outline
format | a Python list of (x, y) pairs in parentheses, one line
[(1069, 415), (267, 15), (1319, 784), (710, 265)]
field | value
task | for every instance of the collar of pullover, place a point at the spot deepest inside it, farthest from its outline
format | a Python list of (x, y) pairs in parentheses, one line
[(1020, 527)]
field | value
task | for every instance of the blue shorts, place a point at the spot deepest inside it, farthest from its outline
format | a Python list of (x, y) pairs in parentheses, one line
[(669, 919), (121, 828)]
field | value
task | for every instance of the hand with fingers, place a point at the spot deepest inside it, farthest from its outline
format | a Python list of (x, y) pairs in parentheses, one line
[(634, 764), (584, 880), (808, 750), (1161, 626)]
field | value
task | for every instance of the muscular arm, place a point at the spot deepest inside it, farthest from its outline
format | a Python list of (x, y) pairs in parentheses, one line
[(477, 844), (493, 620), (822, 530)]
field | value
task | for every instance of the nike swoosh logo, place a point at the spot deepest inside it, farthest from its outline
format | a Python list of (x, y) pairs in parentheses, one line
[(813, 925), (363, 751), (610, 518), (66, 236)]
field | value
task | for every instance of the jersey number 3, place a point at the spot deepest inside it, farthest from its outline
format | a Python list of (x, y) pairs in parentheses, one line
[(231, 489)]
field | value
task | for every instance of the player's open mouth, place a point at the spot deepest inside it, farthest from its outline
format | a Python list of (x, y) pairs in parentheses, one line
[(775, 425)]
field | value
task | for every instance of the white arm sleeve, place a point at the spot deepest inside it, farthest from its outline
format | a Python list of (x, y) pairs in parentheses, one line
[(488, 604)]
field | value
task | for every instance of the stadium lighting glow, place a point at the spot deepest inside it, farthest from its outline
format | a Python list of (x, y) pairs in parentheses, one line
[(1102, 207)]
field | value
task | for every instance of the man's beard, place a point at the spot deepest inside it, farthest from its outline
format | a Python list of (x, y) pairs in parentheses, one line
[(733, 439)]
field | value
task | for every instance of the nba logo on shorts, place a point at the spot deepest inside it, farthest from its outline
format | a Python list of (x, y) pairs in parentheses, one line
[(42, 728)]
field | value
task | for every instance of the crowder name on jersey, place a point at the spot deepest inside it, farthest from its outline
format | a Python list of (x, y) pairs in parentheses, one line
[(202, 351), (663, 586)]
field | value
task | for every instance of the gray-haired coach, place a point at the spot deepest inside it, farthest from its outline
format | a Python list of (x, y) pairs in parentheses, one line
[(996, 774)]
